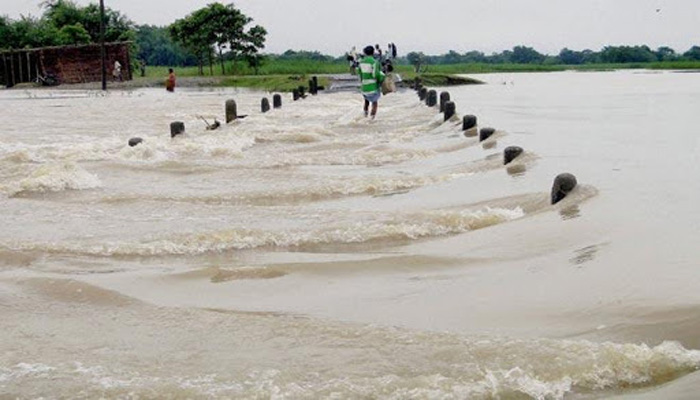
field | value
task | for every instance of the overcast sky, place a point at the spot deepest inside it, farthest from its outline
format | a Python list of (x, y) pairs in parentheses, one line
[(436, 26)]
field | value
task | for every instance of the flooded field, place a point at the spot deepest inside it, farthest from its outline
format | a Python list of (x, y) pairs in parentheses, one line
[(309, 252)]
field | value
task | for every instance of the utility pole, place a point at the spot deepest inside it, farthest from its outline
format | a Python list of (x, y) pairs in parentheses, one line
[(103, 51)]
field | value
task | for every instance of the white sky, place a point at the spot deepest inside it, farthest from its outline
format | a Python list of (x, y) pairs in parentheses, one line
[(436, 26)]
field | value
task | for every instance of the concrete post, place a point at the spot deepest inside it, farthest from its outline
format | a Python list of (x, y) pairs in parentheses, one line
[(450, 109), (431, 99), (231, 110), (277, 101), (444, 98), (510, 153), (485, 133), (468, 122), (314, 85), (563, 185), (265, 105), (177, 128), (422, 94)]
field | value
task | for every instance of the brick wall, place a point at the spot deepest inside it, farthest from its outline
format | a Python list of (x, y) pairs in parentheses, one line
[(84, 63), (71, 64)]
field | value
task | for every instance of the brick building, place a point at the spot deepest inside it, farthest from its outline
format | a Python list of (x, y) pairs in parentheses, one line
[(68, 64)]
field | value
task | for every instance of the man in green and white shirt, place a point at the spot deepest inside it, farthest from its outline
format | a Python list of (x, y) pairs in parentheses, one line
[(371, 78)]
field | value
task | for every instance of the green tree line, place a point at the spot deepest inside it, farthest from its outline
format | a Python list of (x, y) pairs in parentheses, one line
[(528, 55), (216, 32), (222, 34), (64, 23)]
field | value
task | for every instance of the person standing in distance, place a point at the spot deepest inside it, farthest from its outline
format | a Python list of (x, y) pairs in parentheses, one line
[(371, 78), (170, 82), (117, 71)]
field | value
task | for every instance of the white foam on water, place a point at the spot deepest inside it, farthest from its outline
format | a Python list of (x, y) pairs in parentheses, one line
[(64, 149), (23, 370), (52, 178), (391, 228), (334, 187), (147, 151), (475, 369), (17, 157)]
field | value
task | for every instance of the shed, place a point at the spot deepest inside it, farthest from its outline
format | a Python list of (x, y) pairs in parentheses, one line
[(66, 64)]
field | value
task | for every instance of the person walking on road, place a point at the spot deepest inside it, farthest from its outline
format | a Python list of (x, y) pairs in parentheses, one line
[(371, 78)]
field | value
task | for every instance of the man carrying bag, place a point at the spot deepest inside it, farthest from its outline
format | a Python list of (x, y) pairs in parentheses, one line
[(371, 79)]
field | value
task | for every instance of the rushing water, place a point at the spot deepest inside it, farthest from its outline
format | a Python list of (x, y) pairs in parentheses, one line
[(311, 253)]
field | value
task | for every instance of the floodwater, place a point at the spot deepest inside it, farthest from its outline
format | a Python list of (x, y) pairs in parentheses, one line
[(311, 253)]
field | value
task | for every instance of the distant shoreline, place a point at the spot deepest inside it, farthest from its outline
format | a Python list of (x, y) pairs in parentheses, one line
[(288, 82), (272, 83)]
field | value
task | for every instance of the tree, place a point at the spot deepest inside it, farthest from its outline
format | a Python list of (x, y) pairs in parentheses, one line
[(156, 47), (243, 43), (7, 34), (416, 59), (192, 35), (590, 56), (665, 53), (627, 54), (60, 13), (307, 55), (526, 55), (452, 57), (693, 53), (474, 57), (221, 27), (255, 61), (504, 57), (570, 57), (253, 42), (30, 32), (73, 34)]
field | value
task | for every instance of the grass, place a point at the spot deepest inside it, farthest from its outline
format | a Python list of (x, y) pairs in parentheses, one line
[(285, 75), (278, 67)]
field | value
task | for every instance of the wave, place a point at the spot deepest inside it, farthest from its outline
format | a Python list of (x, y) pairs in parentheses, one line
[(394, 229), (336, 188), (52, 178), (221, 145), (330, 187), (488, 369)]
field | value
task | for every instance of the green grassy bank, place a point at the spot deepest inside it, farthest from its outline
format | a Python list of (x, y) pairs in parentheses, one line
[(285, 75)]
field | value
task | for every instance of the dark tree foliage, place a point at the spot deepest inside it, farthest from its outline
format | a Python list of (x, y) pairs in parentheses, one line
[(156, 47), (64, 23), (627, 54), (666, 54), (222, 30), (693, 53), (304, 55), (61, 13), (526, 55), (416, 59), (28, 32), (571, 57), (5, 32)]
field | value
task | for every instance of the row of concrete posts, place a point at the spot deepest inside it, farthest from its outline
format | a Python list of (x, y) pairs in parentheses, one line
[(563, 183), (231, 108)]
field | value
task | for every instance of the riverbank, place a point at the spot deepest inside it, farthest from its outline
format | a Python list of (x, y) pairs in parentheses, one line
[(270, 83)]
